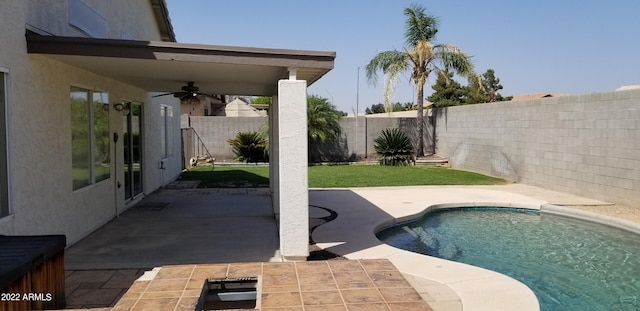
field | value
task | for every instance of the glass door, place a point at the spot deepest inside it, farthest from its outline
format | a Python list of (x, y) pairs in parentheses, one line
[(132, 124)]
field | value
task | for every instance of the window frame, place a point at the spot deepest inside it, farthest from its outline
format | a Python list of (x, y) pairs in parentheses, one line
[(6, 212), (166, 133), (93, 178)]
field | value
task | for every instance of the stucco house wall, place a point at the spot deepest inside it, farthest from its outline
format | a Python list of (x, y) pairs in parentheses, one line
[(125, 19), (42, 198)]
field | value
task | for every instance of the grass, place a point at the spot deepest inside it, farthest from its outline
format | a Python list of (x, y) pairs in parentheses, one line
[(340, 176)]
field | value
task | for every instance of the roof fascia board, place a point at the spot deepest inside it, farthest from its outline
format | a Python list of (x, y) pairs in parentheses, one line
[(172, 51)]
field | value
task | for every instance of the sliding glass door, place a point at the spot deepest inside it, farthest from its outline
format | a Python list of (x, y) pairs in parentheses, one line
[(132, 151)]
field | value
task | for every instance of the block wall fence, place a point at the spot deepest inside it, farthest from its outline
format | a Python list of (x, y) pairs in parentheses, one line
[(358, 133), (588, 145)]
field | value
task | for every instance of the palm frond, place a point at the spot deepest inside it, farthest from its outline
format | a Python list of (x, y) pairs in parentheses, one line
[(420, 26), (444, 75), (477, 82), (421, 54), (452, 57), (389, 62)]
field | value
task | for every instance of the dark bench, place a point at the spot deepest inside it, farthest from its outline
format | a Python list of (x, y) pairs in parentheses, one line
[(32, 272)]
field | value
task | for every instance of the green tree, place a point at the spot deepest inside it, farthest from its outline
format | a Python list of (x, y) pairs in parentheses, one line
[(324, 131), (380, 108), (375, 108), (492, 85), (447, 92), (422, 57), (485, 89), (474, 92), (322, 120), (262, 100), (250, 147)]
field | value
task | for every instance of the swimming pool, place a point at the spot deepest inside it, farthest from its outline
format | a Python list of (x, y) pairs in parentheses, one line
[(569, 264)]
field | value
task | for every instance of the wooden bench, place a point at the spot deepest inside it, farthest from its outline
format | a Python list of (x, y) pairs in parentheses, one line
[(32, 272)]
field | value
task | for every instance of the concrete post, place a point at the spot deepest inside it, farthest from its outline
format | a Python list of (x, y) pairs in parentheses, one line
[(291, 168), (274, 152)]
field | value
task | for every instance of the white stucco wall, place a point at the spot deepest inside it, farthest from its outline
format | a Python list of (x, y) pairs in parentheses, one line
[(42, 198), (157, 175), (125, 18)]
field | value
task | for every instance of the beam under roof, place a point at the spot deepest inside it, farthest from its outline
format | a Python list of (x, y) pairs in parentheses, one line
[(159, 66)]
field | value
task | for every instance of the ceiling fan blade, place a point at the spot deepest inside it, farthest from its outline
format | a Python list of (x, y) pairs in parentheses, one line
[(165, 94), (206, 94)]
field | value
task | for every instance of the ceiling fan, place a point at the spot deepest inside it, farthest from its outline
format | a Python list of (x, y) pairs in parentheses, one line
[(189, 91)]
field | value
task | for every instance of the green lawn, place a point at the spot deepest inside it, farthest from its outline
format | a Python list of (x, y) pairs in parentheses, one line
[(340, 176)]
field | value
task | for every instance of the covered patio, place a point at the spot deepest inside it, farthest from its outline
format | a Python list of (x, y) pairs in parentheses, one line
[(185, 226), (166, 66), (157, 255)]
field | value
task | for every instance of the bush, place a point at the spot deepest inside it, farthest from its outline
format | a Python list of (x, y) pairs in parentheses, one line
[(250, 147), (394, 147)]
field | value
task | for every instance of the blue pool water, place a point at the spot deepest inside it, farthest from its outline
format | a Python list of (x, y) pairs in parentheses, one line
[(569, 264)]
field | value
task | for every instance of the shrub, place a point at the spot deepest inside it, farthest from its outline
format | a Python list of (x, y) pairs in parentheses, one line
[(394, 147), (250, 147), (324, 138)]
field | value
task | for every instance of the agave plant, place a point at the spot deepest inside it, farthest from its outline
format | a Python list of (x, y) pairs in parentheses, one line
[(394, 147), (250, 147)]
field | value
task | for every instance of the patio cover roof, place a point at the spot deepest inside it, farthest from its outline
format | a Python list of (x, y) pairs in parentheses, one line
[(166, 66)]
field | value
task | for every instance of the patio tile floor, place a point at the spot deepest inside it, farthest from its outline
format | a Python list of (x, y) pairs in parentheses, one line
[(373, 284), (98, 288)]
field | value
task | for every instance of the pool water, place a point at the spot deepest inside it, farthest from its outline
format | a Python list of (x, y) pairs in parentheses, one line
[(569, 264)]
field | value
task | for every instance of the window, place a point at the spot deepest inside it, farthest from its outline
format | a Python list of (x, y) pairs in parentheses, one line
[(4, 178), (166, 138), (88, 20), (89, 137)]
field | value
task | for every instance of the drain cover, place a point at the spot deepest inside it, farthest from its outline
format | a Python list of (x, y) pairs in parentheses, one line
[(229, 294)]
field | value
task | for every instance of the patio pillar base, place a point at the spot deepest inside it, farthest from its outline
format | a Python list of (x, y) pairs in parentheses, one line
[(294, 258)]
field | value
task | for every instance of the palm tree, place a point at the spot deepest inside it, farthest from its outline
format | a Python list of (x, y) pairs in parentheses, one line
[(323, 129), (322, 120), (423, 57)]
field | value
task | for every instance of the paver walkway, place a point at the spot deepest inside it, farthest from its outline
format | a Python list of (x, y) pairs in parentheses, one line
[(98, 288), (304, 286)]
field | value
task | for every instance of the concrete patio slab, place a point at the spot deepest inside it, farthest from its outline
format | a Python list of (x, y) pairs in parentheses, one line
[(183, 227)]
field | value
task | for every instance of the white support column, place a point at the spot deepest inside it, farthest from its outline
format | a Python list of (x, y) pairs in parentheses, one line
[(274, 152), (291, 166)]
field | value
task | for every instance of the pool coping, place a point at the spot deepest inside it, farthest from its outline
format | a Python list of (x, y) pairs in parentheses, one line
[(478, 289), (568, 211)]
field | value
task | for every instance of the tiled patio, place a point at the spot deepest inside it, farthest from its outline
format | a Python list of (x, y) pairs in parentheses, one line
[(315, 285), (98, 288)]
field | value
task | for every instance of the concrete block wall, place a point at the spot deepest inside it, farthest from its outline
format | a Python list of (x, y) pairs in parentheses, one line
[(215, 131), (588, 145), (359, 134)]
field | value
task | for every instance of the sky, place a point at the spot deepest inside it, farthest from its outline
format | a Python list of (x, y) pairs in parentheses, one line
[(543, 46)]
